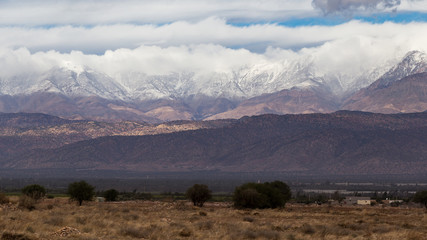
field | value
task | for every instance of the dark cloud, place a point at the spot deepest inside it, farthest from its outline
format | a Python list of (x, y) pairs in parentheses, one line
[(349, 6)]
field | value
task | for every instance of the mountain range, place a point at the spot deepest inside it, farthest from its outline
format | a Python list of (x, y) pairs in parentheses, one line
[(79, 93), (340, 143)]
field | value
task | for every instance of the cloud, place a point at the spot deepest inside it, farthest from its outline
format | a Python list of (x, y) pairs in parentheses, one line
[(53, 13), (348, 6), (107, 12), (199, 36), (348, 49), (255, 38)]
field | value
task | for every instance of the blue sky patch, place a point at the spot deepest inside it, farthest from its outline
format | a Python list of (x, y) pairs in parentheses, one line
[(398, 17)]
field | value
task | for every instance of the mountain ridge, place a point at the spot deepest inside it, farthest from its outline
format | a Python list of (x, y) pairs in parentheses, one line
[(343, 142)]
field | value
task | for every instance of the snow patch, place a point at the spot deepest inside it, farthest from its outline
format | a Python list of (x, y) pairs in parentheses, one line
[(68, 65)]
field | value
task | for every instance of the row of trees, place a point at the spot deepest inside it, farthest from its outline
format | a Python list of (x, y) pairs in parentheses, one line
[(250, 195), (79, 191), (82, 191)]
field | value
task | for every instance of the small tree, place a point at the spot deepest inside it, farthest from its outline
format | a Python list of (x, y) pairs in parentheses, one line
[(81, 191), (34, 191), (199, 194), (421, 197), (111, 195)]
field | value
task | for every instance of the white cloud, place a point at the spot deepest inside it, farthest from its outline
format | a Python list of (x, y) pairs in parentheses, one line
[(81, 12), (164, 36), (43, 13), (209, 31), (413, 5), (347, 49), (195, 36)]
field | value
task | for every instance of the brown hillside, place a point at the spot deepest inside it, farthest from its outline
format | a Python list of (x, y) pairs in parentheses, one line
[(338, 143)]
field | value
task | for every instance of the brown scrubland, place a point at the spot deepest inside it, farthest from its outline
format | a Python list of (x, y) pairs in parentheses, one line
[(59, 218)]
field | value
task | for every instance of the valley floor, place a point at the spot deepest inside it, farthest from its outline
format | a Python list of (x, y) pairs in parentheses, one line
[(60, 219)]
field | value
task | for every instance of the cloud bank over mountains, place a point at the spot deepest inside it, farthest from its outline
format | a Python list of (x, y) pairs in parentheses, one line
[(201, 37), (349, 47)]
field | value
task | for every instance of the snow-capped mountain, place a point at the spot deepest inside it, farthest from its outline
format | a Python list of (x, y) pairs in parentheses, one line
[(414, 62), (242, 83), (284, 86), (245, 82), (402, 89), (68, 81)]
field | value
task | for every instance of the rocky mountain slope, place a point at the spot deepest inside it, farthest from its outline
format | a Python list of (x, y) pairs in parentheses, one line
[(20, 132), (401, 89), (293, 101), (335, 144), (408, 94)]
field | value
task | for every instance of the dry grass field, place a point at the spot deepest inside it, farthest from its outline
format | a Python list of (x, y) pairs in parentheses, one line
[(59, 219)]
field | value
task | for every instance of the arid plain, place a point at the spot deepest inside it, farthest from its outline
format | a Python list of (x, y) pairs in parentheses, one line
[(60, 219)]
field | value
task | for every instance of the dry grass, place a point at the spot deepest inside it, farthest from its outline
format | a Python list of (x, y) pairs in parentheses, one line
[(59, 219)]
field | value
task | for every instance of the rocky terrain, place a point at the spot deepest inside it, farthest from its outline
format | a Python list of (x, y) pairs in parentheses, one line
[(20, 132), (409, 94)]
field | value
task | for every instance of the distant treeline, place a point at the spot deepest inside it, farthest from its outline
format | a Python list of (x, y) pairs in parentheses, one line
[(222, 184)]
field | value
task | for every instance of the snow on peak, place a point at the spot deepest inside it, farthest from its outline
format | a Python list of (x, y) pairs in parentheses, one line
[(245, 81), (77, 68), (416, 56)]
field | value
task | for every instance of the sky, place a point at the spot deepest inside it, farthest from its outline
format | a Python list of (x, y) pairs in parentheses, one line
[(166, 36)]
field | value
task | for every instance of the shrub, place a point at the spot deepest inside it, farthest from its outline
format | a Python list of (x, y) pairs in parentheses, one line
[(261, 195), (307, 229), (185, 233), (27, 202), (30, 229), (337, 197), (34, 191), (54, 221), (247, 196), (81, 191), (14, 236), (199, 194), (111, 195), (3, 198), (205, 225), (133, 232), (421, 197)]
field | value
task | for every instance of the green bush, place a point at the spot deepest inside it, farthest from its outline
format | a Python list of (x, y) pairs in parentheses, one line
[(34, 191), (81, 191), (421, 197), (261, 195), (111, 195), (247, 196), (199, 194)]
